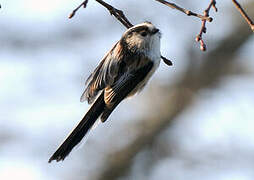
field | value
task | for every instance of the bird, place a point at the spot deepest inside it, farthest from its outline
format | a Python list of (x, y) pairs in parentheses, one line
[(122, 72)]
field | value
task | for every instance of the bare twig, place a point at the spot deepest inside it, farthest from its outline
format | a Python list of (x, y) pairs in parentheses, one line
[(119, 15), (74, 11), (244, 14), (203, 26), (185, 11)]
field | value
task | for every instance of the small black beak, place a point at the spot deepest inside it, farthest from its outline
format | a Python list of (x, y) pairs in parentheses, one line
[(155, 30)]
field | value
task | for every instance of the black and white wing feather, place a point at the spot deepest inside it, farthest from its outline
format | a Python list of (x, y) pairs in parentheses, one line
[(103, 75)]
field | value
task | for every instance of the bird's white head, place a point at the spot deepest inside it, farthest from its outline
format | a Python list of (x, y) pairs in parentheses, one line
[(144, 37)]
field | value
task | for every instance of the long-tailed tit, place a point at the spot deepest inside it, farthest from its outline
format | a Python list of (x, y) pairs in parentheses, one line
[(124, 71)]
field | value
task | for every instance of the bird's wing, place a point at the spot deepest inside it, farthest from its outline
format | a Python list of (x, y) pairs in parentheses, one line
[(104, 74), (114, 94)]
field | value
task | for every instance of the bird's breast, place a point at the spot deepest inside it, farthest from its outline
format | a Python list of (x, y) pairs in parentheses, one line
[(142, 83)]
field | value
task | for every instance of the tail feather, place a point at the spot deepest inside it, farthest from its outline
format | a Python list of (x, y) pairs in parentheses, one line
[(80, 131)]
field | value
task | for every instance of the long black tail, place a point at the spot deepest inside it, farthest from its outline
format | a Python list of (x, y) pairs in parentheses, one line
[(80, 131)]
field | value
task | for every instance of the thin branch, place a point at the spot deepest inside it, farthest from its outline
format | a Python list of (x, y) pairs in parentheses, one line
[(185, 11), (119, 15), (203, 26), (244, 14), (74, 11)]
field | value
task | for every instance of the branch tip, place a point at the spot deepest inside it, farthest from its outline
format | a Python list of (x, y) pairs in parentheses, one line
[(167, 61), (203, 26), (71, 15), (202, 45), (83, 4), (210, 19)]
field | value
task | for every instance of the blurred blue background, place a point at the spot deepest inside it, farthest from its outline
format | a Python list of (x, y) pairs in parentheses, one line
[(46, 57)]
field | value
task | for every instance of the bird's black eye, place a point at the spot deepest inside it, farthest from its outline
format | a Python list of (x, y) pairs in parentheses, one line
[(144, 33)]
